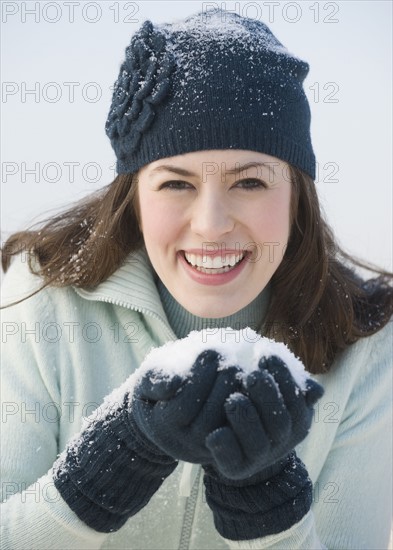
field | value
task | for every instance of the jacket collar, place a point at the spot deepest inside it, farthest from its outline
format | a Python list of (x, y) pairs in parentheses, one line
[(131, 285)]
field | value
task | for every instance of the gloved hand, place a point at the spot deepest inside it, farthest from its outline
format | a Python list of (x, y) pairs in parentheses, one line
[(256, 485), (177, 414), (265, 421), (114, 466), (107, 473)]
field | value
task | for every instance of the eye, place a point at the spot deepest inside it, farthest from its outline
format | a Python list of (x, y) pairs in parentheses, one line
[(176, 185), (251, 183)]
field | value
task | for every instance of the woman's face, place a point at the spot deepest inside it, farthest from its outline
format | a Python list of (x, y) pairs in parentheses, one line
[(215, 224)]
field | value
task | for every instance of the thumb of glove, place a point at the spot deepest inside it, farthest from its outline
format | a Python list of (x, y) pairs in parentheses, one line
[(313, 393)]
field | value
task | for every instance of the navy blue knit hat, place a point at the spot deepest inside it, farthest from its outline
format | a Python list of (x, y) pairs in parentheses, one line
[(215, 80)]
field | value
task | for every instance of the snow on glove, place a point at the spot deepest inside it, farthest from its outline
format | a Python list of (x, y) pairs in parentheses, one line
[(265, 422), (239, 411), (185, 400), (257, 486), (177, 412), (108, 472), (112, 468)]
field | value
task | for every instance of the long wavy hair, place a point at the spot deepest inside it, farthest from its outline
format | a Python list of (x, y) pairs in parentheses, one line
[(319, 304)]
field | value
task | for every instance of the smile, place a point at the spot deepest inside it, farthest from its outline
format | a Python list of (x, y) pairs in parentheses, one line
[(214, 264), (224, 270)]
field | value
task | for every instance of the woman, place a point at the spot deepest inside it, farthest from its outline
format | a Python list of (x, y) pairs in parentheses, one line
[(212, 223)]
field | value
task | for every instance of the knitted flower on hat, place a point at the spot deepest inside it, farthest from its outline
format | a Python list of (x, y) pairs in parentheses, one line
[(142, 84)]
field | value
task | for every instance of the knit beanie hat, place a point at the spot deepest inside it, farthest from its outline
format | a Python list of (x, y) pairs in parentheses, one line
[(215, 80)]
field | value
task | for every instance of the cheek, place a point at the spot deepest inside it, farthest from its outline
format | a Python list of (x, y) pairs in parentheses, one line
[(272, 221), (158, 224)]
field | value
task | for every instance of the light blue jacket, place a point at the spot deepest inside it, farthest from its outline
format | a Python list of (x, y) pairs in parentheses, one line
[(65, 349)]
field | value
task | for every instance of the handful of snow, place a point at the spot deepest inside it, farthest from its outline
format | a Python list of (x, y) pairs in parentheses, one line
[(241, 348)]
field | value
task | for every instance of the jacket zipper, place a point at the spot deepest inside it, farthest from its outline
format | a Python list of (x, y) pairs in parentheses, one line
[(189, 514)]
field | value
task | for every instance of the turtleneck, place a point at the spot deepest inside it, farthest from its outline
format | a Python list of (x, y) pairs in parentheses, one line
[(183, 322)]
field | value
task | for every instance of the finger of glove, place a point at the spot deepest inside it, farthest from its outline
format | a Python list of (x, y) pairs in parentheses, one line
[(242, 448), (245, 421), (269, 404), (186, 405), (314, 392), (226, 452), (212, 414), (156, 385), (150, 394), (292, 395)]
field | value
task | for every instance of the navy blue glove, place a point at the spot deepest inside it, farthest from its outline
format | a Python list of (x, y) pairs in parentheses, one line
[(116, 464), (256, 485), (265, 422), (177, 414), (109, 472)]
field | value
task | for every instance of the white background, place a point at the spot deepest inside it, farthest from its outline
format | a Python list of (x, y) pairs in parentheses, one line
[(48, 44)]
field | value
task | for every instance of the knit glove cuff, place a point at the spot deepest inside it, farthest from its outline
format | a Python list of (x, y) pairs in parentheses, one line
[(265, 504), (110, 471)]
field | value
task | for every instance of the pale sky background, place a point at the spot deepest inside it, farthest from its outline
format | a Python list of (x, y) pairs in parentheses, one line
[(347, 43)]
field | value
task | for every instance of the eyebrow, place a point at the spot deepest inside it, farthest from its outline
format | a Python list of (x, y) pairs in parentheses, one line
[(238, 168)]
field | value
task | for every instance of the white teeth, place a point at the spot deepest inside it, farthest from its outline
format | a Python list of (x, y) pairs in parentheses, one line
[(217, 262)]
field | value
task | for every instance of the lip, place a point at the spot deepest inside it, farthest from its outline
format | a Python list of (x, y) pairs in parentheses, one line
[(210, 278)]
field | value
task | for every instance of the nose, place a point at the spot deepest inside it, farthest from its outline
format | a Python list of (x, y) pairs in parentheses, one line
[(212, 216)]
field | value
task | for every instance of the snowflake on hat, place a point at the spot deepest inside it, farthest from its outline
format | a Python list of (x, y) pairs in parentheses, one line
[(142, 84)]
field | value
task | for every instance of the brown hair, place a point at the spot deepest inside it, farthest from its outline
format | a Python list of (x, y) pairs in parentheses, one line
[(319, 306)]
